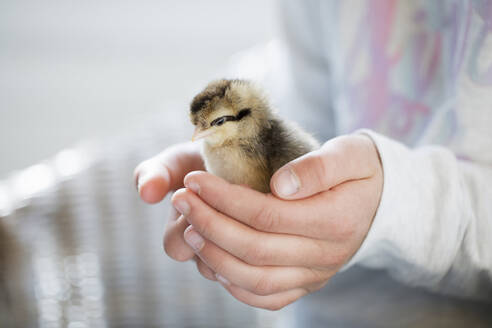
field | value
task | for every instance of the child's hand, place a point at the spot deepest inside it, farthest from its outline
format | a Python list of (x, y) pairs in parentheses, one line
[(270, 250), (161, 174)]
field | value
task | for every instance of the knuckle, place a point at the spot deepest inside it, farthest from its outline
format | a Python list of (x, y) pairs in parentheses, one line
[(338, 257), (344, 229), (341, 147), (315, 287), (264, 286), (217, 267), (361, 147), (204, 270), (203, 223), (275, 306), (255, 255), (347, 142), (324, 254), (349, 229), (265, 219), (318, 276), (364, 147), (334, 258), (326, 261), (312, 169)]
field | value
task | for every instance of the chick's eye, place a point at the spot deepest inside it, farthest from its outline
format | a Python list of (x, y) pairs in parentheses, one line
[(219, 121)]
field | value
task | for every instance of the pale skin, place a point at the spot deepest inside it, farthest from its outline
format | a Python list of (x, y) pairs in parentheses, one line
[(268, 250)]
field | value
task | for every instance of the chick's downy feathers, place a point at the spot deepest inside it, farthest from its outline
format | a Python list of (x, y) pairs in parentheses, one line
[(245, 142)]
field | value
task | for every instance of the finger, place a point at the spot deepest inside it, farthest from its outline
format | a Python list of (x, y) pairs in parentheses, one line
[(271, 302), (158, 175), (174, 244), (319, 216), (260, 280), (340, 159), (252, 246), (204, 270)]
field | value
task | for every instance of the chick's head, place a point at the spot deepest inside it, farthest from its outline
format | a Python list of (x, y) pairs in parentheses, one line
[(227, 110)]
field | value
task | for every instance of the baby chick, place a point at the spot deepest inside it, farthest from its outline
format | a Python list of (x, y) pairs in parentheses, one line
[(245, 142)]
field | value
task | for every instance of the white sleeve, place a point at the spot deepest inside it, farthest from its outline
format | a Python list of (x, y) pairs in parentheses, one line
[(294, 69), (433, 227)]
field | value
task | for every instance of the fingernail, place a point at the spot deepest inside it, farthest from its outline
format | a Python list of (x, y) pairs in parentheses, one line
[(286, 183), (182, 207), (194, 187), (222, 280), (194, 239)]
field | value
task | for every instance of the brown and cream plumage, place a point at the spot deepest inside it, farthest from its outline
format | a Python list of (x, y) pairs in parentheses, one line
[(245, 142)]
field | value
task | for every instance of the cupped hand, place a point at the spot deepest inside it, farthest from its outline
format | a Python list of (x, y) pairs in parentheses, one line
[(268, 250), (164, 173), (157, 176)]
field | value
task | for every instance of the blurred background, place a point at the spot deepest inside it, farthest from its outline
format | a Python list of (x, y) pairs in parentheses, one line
[(88, 89), (76, 70)]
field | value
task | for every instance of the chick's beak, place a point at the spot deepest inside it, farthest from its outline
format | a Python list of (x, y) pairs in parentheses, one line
[(201, 133)]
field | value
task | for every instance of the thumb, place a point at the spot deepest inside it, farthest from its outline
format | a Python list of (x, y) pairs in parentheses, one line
[(160, 174), (338, 160)]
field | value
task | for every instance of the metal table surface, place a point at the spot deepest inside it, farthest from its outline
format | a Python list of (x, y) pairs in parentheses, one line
[(84, 251)]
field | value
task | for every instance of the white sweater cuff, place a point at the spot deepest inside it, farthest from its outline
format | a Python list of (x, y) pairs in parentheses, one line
[(369, 252), (417, 230)]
